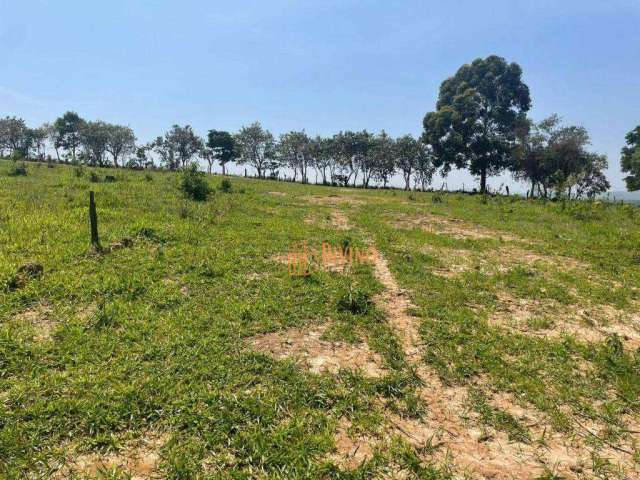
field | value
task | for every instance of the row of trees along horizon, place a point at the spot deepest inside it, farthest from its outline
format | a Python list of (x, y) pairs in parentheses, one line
[(480, 124)]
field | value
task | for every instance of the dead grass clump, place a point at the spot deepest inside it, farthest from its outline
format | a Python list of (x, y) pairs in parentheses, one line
[(307, 347)]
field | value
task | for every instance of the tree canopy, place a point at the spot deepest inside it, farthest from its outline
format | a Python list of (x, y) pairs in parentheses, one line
[(630, 160), (476, 117), (222, 147)]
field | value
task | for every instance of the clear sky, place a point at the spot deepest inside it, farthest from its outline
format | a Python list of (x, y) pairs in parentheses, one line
[(324, 66)]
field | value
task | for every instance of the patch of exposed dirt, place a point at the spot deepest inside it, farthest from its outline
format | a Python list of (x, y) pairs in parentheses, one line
[(85, 313), (40, 318), (278, 194), (550, 319), (459, 261), (339, 220), (450, 425), (307, 347), (140, 459), (450, 226), (334, 200), (351, 449)]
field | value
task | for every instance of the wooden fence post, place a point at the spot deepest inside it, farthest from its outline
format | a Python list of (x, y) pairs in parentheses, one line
[(93, 219)]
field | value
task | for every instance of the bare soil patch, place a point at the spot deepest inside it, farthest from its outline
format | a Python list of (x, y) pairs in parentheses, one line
[(450, 226), (140, 459), (450, 425), (352, 449), (278, 194), (339, 220), (40, 317), (501, 260), (307, 347), (548, 318)]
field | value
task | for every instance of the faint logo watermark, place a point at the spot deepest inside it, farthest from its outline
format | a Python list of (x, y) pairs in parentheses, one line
[(303, 260)]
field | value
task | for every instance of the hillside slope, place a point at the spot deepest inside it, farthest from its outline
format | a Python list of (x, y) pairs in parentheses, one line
[(498, 338)]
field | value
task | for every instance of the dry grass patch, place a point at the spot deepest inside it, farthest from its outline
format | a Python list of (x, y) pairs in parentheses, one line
[(307, 347)]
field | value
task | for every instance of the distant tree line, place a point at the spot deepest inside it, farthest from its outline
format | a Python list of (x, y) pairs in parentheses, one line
[(480, 124)]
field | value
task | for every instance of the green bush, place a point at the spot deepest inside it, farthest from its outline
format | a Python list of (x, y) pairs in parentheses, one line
[(93, 177), (194, 184), (225, 185), (355, 301)]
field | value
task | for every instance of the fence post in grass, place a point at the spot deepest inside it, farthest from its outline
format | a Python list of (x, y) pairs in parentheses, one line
[(93, 219)]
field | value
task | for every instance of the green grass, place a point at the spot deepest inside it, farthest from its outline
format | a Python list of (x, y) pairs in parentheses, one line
[(152, 337)]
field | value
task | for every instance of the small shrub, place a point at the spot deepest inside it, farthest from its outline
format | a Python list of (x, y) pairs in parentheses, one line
[(105, 316), (437, 198), (355, 301), (18, 170), (109, 179), (225, 185), (345, 244), (193, 183), (148, 177), (78, 171), (93, 177)]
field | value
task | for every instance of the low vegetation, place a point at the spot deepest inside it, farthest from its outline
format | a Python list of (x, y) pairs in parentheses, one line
[(489, 336)]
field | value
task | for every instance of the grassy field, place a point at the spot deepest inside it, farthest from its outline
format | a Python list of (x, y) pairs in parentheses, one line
[(481, 338)]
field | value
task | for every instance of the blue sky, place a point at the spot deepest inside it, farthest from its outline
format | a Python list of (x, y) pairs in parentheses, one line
[(320, 65)]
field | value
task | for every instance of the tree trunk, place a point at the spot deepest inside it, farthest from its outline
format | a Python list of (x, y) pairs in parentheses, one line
[(223, 170), (483, 180)]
